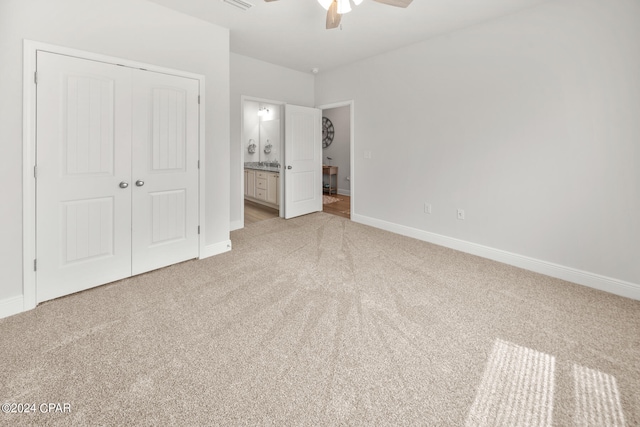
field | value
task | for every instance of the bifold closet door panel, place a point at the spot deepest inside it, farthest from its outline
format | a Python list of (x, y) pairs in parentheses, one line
[(83, 202), (165, 170)]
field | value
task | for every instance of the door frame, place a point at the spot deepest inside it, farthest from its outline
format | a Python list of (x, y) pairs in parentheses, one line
[(280, 104), (352, 163), (29, 143)]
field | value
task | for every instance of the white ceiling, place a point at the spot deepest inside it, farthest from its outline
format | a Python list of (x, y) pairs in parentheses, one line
[(292, 33)]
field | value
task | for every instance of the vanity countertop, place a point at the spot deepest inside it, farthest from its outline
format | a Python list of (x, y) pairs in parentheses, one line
[(261, 167)]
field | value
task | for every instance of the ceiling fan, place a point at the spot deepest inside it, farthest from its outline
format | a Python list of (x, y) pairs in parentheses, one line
[(337, 8)]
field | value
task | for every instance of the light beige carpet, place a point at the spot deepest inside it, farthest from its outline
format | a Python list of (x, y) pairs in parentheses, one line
[(322, 321)]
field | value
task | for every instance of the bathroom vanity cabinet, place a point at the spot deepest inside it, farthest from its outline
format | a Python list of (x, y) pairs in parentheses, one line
[(249, 183), (262, 187)]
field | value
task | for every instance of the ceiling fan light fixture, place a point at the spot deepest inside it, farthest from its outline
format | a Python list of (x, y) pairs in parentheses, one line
[(336, 8), (344, 7), (325, 3)]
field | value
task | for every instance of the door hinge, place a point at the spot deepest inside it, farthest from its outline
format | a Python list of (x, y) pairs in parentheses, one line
[(35, 171), (35, 77), (35, 265), (198, 164), (198, 229), (198, 99)]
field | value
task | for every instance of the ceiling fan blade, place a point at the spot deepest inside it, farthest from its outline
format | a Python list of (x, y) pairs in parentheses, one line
[(270, 0), (397, 3), (333, 17)]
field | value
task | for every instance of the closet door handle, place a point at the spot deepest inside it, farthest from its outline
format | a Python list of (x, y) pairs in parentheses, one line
[(139, 183), (124, 184)]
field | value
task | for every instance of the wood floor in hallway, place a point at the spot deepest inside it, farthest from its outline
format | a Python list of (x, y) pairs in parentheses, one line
[(341, 208)]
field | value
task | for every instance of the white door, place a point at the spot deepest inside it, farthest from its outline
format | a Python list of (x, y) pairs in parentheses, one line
[(165, 170), (96, 132), (83, 220), (303, 161)]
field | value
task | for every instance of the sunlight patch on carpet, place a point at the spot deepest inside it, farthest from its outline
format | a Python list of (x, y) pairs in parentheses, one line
[(597, 398), (516, 389)]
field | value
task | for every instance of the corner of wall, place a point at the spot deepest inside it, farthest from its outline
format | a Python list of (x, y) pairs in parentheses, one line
[(11, 306)]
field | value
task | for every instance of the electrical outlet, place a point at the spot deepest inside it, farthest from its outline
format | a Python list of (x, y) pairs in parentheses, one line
[(427, 208), (460, 213)]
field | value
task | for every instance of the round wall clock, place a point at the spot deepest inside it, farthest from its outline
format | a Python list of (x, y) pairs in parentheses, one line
[(327, 132)]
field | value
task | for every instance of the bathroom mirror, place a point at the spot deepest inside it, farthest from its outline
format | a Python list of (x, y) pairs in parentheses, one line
[(262, 133), (270, 141)]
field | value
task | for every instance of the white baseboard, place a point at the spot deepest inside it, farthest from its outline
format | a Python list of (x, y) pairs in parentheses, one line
[(236, 225), (343, 192), (585, 278), (15, 305), (11, 306), (216, 249)]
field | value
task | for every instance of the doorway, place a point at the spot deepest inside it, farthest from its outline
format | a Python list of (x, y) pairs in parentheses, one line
[(281, 158), (337, 155), (261, 139)]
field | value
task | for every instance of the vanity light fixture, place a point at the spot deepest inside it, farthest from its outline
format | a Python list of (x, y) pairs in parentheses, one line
[(263, 111)]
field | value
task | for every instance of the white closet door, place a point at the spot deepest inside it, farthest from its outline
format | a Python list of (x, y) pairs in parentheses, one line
[(83, 155), (303, 159), (117, 163), (165, 170)]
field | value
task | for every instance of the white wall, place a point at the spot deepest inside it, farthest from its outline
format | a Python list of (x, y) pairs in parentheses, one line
[(530, 123), (130, 29), (258, 79), (340, 148)]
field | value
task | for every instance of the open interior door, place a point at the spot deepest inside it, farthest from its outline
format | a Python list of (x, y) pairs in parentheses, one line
[(302, 160)]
